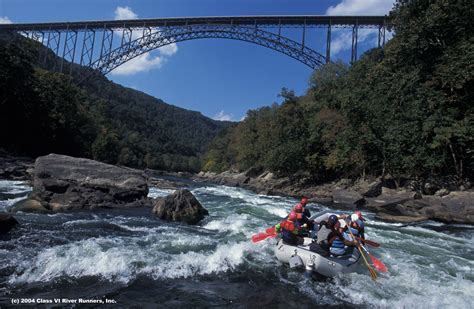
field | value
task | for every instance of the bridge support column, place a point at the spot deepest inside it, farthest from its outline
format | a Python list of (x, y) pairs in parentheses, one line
[(87, 47), (355, 31), (106, 45), (328, 44)]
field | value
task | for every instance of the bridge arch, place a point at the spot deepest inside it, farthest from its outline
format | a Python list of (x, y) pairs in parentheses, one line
[(165, 36)]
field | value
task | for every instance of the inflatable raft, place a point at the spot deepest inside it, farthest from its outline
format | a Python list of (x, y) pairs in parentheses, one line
[(303, 257)]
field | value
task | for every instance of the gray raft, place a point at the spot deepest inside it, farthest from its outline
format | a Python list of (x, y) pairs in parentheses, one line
[(302, 256)]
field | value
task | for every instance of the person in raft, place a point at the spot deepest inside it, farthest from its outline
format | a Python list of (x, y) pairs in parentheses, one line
[(302, 222), (290, 230), (326, 228), (304, 215), (356, 223), (338, 240), (306, 211)]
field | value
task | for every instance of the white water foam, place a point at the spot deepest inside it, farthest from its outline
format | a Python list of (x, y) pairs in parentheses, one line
[(155, 192), (118, 261)]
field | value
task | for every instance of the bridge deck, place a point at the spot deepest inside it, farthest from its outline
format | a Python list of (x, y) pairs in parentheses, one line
[(283, 21)]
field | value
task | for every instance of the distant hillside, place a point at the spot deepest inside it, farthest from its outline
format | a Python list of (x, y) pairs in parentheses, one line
[(43, 112)]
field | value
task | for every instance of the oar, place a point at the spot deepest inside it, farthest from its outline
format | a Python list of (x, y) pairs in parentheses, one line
[(372, 272), (368, 242), (262, 236), (377, 263), (270, 230)]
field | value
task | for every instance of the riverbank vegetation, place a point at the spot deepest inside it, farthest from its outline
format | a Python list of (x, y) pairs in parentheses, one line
[(43, 112), (405, 111)]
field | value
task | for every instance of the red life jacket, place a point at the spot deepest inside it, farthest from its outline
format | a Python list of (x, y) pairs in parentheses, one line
[(288, 225)]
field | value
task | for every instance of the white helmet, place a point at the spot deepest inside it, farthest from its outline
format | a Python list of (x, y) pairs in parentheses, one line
[(354, 217)]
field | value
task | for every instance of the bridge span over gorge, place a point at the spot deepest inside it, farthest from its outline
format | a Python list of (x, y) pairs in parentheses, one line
[(105, 45)]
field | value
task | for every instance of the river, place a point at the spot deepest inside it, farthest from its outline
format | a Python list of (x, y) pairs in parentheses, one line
[(130, 258)]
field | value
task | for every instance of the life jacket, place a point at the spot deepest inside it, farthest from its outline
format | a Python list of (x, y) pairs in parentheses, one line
[(354, 231), (289, 232), (357, 231), (337, 245)]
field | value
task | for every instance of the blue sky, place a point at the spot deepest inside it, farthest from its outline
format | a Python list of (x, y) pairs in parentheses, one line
[(220, 78)]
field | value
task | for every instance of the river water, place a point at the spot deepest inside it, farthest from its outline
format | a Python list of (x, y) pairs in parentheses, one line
[(134, 260)]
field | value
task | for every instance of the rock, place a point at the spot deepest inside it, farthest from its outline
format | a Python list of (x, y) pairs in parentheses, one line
[(344, 198), (442, 192), (63, 183), (368, 188), (456, 207), (7, 222), (29, 205), (165, 184), (401, 219), (15, 168), (253, 172), (180, 206), (389, 200), (268, 176)]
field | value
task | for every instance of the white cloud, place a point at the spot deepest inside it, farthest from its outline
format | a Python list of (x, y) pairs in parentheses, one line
[(146, 61), (168, 50), (5, 20), (361, 7), (143, 63), (223, 116), (342, 38), (124, 13)]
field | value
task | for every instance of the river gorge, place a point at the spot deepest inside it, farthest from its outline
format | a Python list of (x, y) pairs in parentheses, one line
[(129, 257)]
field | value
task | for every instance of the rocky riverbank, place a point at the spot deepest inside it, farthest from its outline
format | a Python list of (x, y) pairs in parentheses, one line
[(15, 167), (446, 201), (64, 183)]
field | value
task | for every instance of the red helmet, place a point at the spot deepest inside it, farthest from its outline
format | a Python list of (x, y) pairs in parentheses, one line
[(298, 208), (292, 216), (304, 201), (360, 215)]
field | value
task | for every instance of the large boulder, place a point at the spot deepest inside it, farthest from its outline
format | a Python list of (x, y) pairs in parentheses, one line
[(29, 205), (400, 206), (347, 199), (180, 206), (7, 222), (63, 183), (390, 200)]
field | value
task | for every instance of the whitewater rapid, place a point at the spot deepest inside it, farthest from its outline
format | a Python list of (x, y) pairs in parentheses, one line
[(430, 264)]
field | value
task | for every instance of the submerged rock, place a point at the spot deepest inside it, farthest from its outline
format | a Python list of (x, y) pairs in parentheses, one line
[(180, 206), (63, 183), (7, 222)]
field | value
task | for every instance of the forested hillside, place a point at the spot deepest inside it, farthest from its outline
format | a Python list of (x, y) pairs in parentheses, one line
[(43, 112), (405, 110)]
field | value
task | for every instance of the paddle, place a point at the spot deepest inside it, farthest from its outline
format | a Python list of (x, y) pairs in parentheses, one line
[(372, 272), (368, 242), (270, 230), (377, 263), (262, 236)]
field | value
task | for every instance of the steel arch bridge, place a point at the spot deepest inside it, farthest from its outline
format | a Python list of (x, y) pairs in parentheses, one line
[(105, 45)]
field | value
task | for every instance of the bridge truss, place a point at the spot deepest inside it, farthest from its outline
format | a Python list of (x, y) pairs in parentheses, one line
[(105, 45)]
